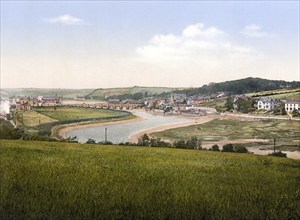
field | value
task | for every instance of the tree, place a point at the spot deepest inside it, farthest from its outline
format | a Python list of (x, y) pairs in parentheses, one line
[(229, 103), (228, 148), (193, 143), (283, 111), (215, 147), (295, 113), (240, 149), (180, 144), (144, 140)]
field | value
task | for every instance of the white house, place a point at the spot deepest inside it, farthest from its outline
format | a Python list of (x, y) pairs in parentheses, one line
[(267, 103), (292, 105)]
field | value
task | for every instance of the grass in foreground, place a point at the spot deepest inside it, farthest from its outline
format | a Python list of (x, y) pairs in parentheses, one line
[(75, 181)]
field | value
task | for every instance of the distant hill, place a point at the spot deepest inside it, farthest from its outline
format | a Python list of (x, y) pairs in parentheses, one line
[(102, 94), (65, 93), (242, 86)]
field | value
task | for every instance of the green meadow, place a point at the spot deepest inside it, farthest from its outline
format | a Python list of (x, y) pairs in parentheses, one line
[(72, 113), (223, 129), (54, 180)]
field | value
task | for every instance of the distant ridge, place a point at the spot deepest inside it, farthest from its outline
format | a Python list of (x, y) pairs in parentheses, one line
[(103, 94), (242, 86)]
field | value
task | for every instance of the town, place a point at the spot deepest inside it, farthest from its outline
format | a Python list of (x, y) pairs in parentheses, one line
[(176, 104)]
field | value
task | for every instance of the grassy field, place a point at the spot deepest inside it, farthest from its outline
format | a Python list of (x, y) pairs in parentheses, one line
[(67, 113), (283, 94), (33, 118), (49, 120), (65, 93), (103, 93), (231, 129), (48, 180)]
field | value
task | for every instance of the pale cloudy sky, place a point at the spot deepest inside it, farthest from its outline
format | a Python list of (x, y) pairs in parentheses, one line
[(92, 44)]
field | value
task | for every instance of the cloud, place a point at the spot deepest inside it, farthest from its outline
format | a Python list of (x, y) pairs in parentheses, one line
[(66, 20), (195, 43), (254, 31), (198, 30)]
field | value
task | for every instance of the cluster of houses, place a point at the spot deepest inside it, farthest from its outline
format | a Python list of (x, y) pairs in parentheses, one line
[(269, 104), (26, 103), (176, 103)]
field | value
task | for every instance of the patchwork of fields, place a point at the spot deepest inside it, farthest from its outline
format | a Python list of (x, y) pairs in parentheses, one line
[(50, 114), (64, 180), (285, 131)]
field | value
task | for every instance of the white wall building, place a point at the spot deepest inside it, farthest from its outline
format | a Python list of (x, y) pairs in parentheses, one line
[(292, 105), (267, 103)]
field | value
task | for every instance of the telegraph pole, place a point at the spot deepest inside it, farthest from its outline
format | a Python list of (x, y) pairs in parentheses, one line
[(105, 137), (274, 144)]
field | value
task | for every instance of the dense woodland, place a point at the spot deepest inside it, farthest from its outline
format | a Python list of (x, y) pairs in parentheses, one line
[(242, 86)]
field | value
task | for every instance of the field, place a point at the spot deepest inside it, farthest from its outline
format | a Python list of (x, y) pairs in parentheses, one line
[(43, 119), (283, 94), (65, 93), (33, 118), (66, 113), (286, 130), (73, 181), (103, 93)]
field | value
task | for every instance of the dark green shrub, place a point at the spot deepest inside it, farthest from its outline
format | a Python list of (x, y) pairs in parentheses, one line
[(215, 147), (90, 141), (240, 149), (228, 148), (278, 154)]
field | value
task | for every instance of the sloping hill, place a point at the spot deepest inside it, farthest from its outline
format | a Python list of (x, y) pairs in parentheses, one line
[(101, 94), (242, 86), (65, 93)]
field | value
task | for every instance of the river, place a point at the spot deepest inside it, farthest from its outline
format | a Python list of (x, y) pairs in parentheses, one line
[(118, 133)]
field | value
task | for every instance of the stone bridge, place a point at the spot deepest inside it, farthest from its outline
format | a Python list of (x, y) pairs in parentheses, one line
[(106, 106)]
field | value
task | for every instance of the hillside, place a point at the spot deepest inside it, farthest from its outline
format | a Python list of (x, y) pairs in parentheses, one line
[(101, 94), (67, 180), (283, 94), (65, 93), (242, 86)]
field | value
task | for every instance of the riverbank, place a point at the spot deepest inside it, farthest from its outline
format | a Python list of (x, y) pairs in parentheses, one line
[(196, 120), (61, 131)]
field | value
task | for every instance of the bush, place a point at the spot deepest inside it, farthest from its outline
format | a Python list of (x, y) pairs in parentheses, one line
[(144, 140), (240, 149), (90, 141), (215, 147), (278, 154), (193, 143), (105, 142), (180, 144), (228, 148), (7, 131)]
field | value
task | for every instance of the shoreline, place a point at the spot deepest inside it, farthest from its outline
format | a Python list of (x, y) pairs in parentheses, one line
[(197, 120), (62, 131)]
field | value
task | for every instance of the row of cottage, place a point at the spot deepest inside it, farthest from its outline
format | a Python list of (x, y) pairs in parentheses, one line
[(269, 104)]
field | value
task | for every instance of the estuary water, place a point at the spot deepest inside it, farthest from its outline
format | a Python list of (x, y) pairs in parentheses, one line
[(118, 133)]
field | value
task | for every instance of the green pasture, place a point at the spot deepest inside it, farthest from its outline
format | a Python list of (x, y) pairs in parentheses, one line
[(53, 180), (69, 113), (283, 94), (219, 129), (33, 118), (103, 93)]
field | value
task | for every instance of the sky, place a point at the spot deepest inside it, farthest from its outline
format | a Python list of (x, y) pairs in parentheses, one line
[(103, 44)]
